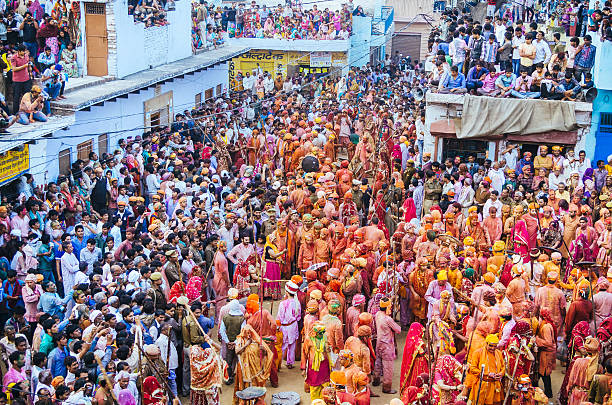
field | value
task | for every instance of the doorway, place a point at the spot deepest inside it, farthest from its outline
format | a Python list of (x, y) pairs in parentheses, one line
[(463, 148), (97, 39)]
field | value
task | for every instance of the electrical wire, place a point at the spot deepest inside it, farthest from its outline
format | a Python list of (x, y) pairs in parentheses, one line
[(225, 112), (230, 87), (114, 134)]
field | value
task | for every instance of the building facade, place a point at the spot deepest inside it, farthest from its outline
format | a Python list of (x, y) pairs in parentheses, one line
[(136, 78)]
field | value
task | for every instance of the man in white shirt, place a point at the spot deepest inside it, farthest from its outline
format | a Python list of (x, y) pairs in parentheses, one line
[(162, 343), (510, 155), (421, 132), (248, 82), (268, 83), (69, 265), (543, 52), (500, 30), (497, 177), (517, 40), (554, 178), (493, 201), (583, 162)]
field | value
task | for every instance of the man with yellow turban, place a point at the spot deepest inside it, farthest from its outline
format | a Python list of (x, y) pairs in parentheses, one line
[(316, 364), (434, 292), (418, 282), (487, 361), (498, 254)]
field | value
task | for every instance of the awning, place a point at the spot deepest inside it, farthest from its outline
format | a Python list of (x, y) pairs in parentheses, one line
[(445, 128), (485, 116), (558, 137)]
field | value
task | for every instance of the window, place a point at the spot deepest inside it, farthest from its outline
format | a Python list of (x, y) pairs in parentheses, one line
[(95, 8), (219, 89), (605, 124), (208, 94), (198, 100), (102, 144), (158, 110), (83, 150), (155, 119), (64, 162)]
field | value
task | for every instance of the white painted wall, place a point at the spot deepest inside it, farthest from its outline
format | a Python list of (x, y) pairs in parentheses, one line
[(119, 119), (139, 48)]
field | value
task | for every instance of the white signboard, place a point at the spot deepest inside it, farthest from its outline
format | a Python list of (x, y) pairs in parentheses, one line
[(320, 59)]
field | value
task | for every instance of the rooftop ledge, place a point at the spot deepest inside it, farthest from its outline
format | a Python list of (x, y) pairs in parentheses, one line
[(330, 45), (437, 98), (107, 90)]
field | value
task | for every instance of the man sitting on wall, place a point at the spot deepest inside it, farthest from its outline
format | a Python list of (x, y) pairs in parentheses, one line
[(454, 83)]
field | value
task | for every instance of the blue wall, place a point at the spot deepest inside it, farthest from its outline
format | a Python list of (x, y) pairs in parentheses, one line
[(603, 63), (600, 145)]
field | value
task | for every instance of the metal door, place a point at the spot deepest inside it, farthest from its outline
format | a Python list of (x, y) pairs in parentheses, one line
[(97, 39)]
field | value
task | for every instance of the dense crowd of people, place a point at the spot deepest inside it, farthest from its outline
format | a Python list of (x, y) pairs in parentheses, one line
[(507, 56), (212, 24), (143, 273), (39, 44), (286, 22)]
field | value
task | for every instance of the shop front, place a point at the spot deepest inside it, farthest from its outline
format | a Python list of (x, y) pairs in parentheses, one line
[(287, 63)]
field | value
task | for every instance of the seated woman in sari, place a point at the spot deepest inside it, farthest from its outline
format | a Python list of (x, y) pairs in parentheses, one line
[(68, 60)]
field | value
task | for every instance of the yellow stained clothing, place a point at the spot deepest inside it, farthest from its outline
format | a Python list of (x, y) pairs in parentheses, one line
[(491, 391), (543, 162), (278, 346), (455, 278)]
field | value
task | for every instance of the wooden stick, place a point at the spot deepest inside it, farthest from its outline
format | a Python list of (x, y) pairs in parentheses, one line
[(108, 382), (160, 377)]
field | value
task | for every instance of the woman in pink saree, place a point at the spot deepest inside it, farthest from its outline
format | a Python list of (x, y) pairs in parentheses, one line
[(447, 377), (583, 371), (580, 249)]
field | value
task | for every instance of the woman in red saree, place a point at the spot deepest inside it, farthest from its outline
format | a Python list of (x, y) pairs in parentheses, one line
[(519, 336), (272, 269), (409, 209), (448, 373), (576, 351), (152, 392), (521, 239), (414, 360)]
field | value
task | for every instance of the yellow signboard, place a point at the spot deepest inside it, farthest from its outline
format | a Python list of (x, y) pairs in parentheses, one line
[(276, 62), (13, 163), (259, 61)]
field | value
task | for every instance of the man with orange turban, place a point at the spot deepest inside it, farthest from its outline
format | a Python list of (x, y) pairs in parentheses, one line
[(264, 324), (418, 282), (361, 347)]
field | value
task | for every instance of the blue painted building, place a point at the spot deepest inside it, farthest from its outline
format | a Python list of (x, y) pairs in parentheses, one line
[(599, 143)]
